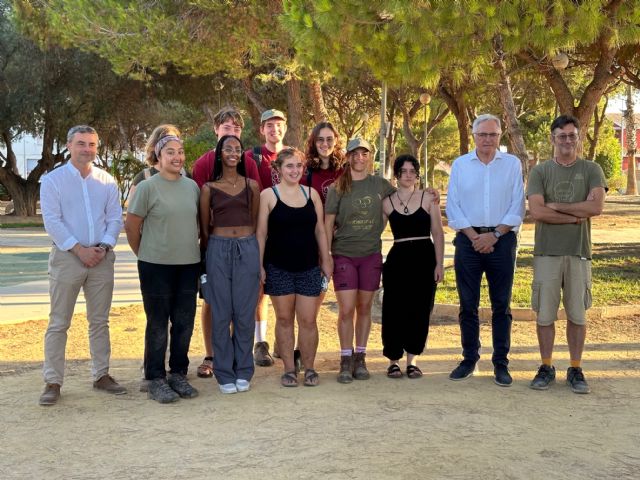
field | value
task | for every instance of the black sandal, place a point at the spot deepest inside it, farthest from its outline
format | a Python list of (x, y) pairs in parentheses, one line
[(289, 379), (413, 371), (311, 378), (394, 371)]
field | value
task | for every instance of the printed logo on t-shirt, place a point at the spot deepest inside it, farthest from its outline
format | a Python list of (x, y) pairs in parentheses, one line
[(362, 209), (563, 192), (324, 188)]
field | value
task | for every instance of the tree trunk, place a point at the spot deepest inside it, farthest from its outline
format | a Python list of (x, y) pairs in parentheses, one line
[(598, 121), (506, 99), (295, 124), (255, 104), (632, 184), (320, 113), (457, 105)]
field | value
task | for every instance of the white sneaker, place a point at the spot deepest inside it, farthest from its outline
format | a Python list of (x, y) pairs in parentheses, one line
[(242, 385), (228, 388)]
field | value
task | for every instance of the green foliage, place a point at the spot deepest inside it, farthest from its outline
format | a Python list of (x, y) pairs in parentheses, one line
[(197, 145), (608, 152)]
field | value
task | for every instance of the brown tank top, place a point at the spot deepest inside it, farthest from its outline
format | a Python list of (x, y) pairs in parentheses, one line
[(231, 210)]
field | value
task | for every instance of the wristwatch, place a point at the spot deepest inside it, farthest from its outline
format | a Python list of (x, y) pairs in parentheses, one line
[(497, 234), (105, 246)]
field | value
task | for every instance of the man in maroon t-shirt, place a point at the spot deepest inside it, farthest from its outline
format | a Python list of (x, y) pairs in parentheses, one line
[(227, 121), (273, 126)]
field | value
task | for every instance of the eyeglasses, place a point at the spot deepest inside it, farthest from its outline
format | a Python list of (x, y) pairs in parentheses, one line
[(229, 151), (564, 137), (410, 172), (328, 140), (492, 136)]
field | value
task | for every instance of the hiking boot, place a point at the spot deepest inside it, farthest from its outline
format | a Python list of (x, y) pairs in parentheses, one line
[(360, 371), (546, 376), (502, 376), (576, 381), (178, 383), (465, 369), (50, 395), (261, 355), (107, 384), (346, 369), (160, 391)]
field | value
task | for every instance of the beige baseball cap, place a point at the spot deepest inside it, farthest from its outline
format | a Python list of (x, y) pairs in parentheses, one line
[(272, 113), (358, 143)]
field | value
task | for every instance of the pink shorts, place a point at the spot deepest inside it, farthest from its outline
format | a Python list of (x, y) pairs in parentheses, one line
[(357, 273)]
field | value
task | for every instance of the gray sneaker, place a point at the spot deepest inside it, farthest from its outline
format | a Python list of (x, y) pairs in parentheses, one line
[(576, 381), (360, 371), (160, 391), (346, 369), (179, 384), (546, 376)]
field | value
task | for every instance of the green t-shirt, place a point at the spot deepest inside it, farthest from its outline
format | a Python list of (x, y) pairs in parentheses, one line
[(170, 212), (560, 184), (358, 216)]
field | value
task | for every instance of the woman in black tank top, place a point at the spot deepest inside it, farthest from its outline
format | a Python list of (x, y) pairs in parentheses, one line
[(294, 259), (412, 269)]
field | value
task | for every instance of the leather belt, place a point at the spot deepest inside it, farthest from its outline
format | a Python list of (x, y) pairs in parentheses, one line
[(484, 229)]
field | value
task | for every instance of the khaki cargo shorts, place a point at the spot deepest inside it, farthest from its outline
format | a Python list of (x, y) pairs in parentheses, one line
[(553, 274)]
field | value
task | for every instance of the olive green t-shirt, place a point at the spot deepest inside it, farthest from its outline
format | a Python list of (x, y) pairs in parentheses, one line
[(358, 216), (170, 228), (560, 184)]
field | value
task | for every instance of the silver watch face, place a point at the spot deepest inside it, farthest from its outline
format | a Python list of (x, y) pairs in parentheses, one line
[(497, 234)]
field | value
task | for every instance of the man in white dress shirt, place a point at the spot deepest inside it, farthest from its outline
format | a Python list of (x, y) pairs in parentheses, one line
[(485, 205), (82, 215)]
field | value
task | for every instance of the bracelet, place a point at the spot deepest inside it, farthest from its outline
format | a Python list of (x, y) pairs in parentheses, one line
[(105, 246)]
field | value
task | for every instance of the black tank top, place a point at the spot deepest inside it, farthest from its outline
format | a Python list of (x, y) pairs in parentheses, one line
[(417, 224), (291, 238)]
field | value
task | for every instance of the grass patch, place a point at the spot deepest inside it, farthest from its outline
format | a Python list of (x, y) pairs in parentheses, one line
[(615, 273), (21, 225)]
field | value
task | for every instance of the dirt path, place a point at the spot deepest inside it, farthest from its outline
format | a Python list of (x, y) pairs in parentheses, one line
[(381, 428)]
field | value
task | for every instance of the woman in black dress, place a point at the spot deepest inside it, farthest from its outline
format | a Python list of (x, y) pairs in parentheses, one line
[(412, 269)]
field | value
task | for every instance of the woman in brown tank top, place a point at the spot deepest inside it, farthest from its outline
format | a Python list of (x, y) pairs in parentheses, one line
[(229, 210)]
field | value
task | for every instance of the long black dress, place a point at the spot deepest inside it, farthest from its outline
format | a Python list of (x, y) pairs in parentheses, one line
[(409, 286)]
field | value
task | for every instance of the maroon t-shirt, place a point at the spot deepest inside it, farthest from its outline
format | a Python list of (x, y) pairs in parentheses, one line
[(202, 171), (321, 180), (268, 176)]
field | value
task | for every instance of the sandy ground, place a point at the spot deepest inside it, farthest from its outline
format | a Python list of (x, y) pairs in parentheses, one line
[(378, 429), (381, 428)]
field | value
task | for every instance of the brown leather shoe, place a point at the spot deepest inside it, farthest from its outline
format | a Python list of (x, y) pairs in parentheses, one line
[(50, 395), (109, 385)]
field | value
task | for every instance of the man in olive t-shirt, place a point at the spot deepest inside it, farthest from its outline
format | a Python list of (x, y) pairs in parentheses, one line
[(564, 193)]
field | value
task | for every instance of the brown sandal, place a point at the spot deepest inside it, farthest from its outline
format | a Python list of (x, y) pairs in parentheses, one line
[(413, 371), (394, 371), (289, 379), (205, 370)]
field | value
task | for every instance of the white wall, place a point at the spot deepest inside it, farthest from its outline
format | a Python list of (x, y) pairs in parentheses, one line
[(28, 152)]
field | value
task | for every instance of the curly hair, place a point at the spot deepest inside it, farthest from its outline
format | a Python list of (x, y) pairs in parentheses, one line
[(313, 158)]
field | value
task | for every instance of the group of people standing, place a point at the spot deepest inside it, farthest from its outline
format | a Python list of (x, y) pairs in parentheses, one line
[(277, 221)]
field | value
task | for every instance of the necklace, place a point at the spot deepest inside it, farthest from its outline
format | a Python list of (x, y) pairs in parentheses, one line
[(235, 181), (563, 165), (405, 205)]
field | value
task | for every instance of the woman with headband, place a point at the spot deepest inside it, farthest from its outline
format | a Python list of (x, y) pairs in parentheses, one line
[(228, 214), (162, 230)]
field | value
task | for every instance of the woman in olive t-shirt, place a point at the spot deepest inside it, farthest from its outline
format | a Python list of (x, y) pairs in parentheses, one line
[(168, 266), (354, 223)]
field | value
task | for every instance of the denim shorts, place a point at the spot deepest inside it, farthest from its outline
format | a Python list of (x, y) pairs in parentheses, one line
[(281, 282)]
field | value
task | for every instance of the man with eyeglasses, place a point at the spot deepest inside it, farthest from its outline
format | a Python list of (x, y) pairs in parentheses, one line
[(563, 193), (485, 205), (82, 215)]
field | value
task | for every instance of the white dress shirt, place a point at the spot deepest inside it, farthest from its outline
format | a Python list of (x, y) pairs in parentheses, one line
[(80, 210), (488, 195)]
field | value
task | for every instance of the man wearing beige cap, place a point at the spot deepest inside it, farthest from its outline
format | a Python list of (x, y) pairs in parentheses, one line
[(273, 126)]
